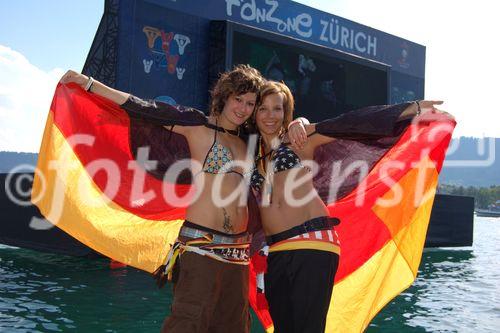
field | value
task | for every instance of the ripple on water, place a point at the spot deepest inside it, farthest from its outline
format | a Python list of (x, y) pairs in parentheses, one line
[(456, 290)]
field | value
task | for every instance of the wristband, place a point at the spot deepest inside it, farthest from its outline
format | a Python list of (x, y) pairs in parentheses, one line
[(89, 84), (419, 110)]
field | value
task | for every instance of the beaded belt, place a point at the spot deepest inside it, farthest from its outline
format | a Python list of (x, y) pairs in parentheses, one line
[(216, 238), (227, 249)]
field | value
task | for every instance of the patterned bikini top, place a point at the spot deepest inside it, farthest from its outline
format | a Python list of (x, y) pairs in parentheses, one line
[(282, 159), (218, 156)]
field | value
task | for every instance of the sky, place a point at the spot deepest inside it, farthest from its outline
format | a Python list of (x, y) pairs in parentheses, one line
[(40, 40)]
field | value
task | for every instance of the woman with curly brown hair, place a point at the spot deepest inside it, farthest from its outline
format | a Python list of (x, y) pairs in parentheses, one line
[(211, 279)]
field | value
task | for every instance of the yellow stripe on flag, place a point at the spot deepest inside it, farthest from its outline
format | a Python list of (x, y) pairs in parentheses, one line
[(75, 204), (361, 295), (409, 221)]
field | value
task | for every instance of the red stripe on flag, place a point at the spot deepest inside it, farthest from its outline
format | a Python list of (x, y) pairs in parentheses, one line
[(76, 112)]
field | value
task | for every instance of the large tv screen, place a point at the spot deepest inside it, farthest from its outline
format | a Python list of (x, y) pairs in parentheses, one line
[(325, 83)]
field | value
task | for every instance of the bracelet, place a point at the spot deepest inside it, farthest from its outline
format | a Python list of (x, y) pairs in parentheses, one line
[(419, 110), (89, 84)]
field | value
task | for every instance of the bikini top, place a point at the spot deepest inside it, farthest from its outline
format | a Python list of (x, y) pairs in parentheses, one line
[(282, 159), (218, 155)]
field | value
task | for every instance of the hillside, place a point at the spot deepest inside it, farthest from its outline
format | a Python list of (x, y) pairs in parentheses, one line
[(469, 149)]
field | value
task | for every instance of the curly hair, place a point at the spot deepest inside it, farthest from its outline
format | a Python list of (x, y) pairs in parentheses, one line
[(273, 87), (241, 80)]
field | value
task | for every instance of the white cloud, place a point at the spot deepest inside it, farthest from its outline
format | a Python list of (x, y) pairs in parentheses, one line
[(25, 96)]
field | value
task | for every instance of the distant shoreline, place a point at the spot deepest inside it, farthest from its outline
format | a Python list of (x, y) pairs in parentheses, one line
[(469, 149)]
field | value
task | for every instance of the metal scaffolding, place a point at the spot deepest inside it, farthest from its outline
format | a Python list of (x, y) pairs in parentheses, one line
[(103, 55)]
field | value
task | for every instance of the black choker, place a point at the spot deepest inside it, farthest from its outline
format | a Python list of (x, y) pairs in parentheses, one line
[(222, 129)]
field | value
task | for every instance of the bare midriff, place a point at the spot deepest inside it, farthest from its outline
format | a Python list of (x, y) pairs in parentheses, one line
[(282, 213), (208, 210)]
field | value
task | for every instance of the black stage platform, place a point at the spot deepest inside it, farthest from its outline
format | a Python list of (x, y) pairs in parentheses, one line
[(451, 225)]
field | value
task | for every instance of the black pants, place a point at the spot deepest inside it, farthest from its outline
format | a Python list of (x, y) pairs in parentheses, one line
[(298, 288)]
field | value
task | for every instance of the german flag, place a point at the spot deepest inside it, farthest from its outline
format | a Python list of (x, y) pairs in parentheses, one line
[(97, 188), (384, 214), (90, 186), (382, 240)]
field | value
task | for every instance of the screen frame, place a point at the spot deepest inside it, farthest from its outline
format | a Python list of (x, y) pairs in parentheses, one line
[(232, 27)]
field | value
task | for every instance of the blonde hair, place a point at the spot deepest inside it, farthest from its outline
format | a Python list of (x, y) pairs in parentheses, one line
[(273, 87)]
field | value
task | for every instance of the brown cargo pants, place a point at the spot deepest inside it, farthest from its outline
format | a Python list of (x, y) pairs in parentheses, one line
[(209, 296)]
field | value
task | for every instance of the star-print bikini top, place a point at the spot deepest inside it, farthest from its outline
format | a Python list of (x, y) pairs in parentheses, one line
[(282, 159), (218, 155)]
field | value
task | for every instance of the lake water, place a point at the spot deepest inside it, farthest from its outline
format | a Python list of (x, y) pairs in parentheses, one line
[(457, 290)]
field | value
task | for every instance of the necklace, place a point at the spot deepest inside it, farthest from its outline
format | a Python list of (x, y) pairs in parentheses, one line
[(223, 130), (262, 155), (268, 176)]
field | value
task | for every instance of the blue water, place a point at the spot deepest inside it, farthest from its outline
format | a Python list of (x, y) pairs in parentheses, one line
[(457, 290)]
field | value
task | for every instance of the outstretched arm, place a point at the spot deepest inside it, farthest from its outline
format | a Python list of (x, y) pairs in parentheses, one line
[(353, 126), (150, 111), (96, 87), (418, 107)]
